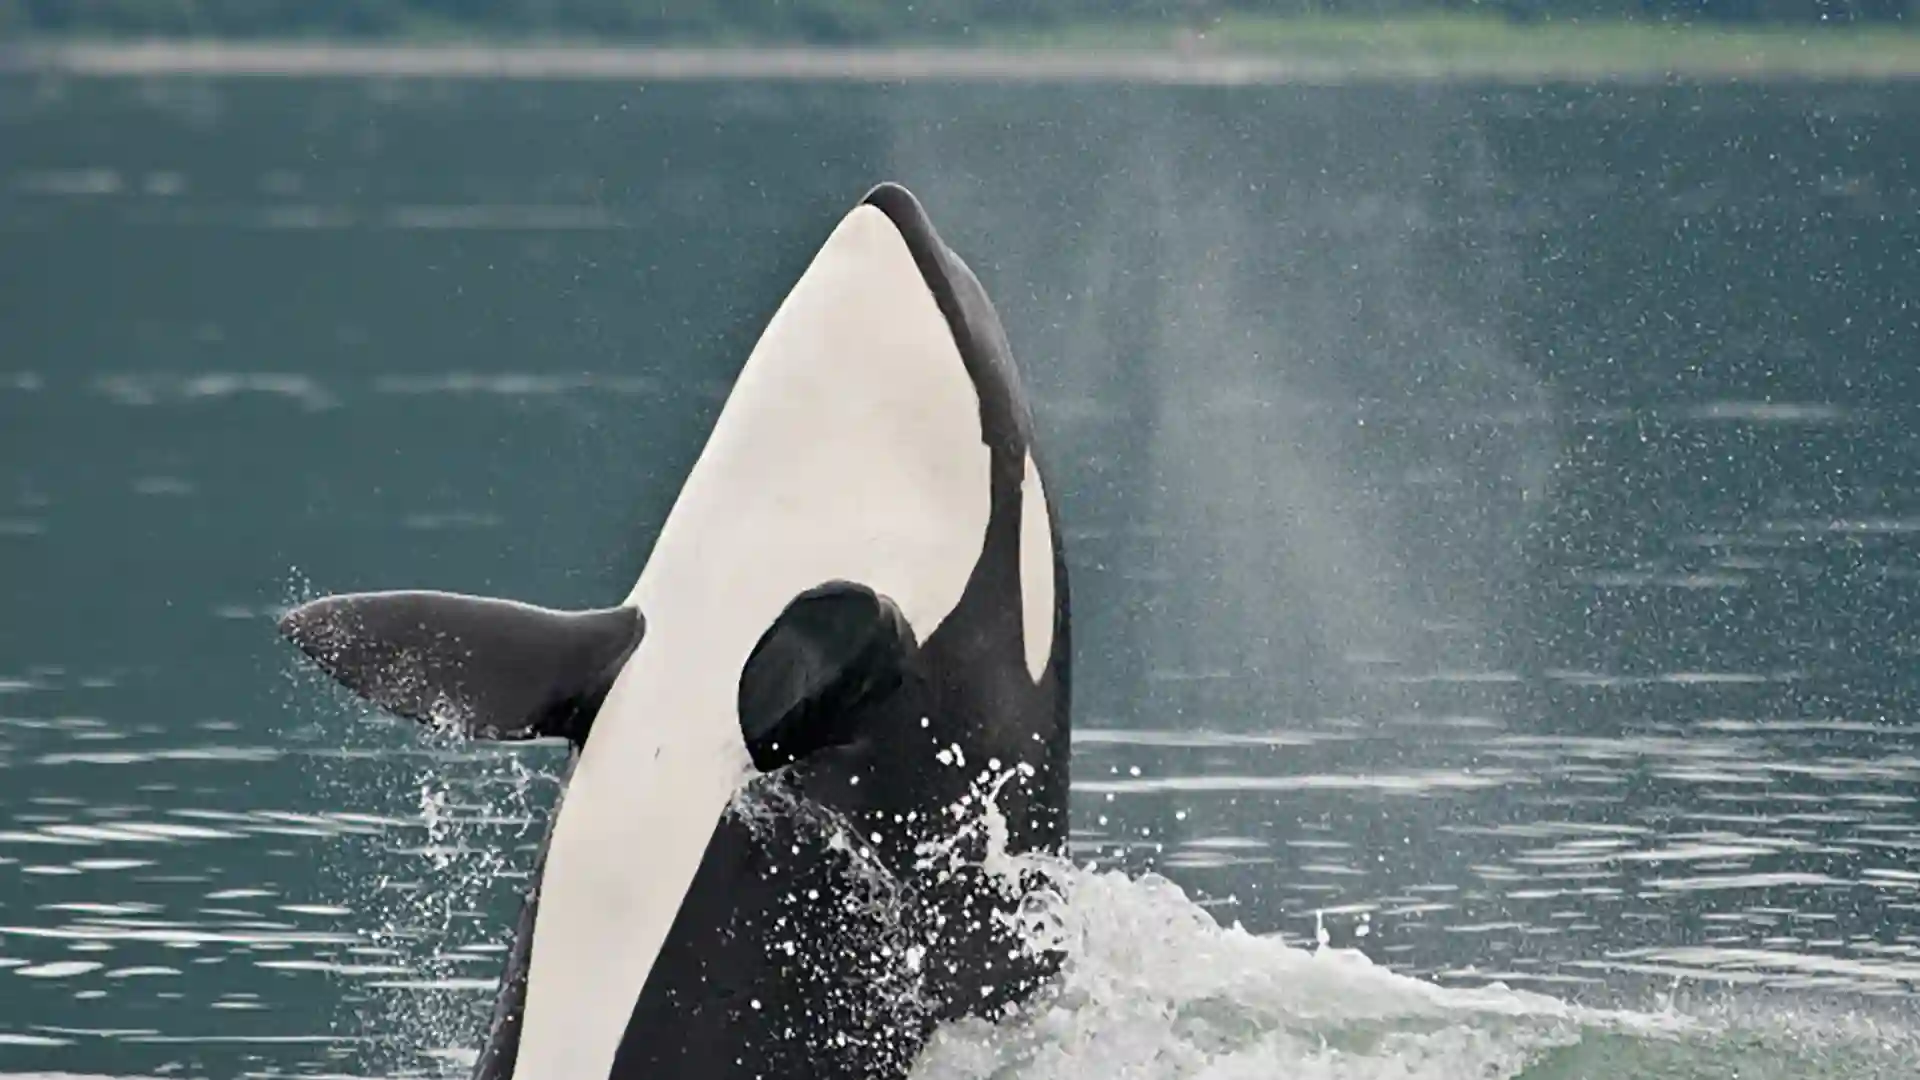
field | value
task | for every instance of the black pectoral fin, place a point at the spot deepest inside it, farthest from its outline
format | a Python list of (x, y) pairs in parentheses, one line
[(490, 669), (835, 650)]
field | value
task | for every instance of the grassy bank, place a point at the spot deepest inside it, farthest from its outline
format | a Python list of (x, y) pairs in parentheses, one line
[(1493, 39), (1232, 48)]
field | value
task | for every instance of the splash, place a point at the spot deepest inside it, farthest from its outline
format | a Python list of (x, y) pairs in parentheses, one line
[(1153, 987), (459, 856), (432, 887)]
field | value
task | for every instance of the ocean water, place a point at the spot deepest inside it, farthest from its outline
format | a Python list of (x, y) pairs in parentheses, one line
[(1491, 514)]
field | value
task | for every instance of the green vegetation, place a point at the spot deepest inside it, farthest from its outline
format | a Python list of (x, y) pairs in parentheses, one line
[(1263, 24), (1487, 35), (1485, 39)]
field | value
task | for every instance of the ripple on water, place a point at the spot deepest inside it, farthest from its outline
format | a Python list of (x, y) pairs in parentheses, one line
[(513, 384), (1778, 835), (167, 389), (70, 183)]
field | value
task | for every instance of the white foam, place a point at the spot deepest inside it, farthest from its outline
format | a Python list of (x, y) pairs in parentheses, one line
[(1154, 988)]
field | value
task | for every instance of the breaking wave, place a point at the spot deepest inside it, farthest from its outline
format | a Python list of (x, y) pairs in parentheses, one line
[(1154, 987)]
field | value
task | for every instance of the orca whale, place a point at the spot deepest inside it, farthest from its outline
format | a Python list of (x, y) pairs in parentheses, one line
[(768, 859)]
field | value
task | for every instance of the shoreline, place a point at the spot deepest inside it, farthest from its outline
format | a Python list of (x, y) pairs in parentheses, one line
[(1204, 65)]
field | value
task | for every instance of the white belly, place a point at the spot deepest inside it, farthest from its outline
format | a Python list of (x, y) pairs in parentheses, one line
[(651, 785)]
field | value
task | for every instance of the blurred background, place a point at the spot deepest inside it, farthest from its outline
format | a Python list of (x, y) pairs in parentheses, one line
[(816, 22), (1485, 438)]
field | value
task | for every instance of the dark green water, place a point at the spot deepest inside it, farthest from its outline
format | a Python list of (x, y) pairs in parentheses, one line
[(1493, 519)]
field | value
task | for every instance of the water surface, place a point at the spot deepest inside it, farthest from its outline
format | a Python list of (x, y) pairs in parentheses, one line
[(1491, 514)]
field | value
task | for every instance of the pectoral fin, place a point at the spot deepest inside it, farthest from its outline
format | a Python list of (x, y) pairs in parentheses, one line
[(491, 669), (834, 651)]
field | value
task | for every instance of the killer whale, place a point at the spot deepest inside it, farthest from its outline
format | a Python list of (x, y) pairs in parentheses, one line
[(854, 619)]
